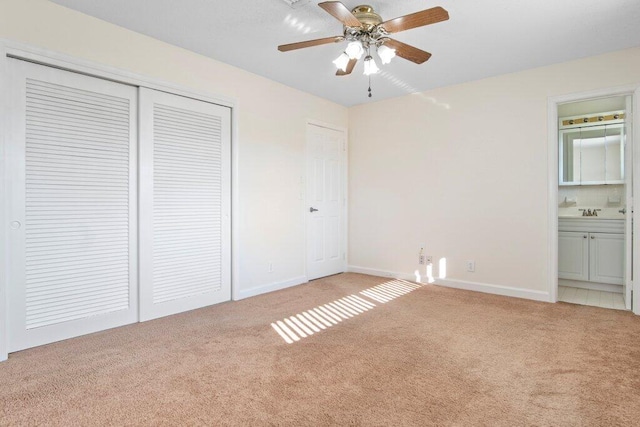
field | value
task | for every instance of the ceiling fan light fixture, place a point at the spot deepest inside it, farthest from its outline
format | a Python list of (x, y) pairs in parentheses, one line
[(386, 54), (370, 66), (342, 61), (354, 50)]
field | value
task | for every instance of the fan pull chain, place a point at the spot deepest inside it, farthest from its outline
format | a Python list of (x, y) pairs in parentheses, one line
[(369, 86)]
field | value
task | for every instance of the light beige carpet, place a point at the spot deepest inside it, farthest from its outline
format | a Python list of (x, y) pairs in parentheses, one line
[(433, 356)]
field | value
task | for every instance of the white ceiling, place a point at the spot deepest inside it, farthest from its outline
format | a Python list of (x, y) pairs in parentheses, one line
[(481, 38)]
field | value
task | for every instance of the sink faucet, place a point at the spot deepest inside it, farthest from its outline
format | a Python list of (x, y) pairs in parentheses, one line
[(590, 212)]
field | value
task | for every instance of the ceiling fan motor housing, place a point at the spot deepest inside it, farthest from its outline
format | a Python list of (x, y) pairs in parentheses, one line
[(370, 32), (367, 16)]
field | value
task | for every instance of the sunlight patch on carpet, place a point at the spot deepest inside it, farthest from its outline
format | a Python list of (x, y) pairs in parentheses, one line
[(307, 323), (389, 291)]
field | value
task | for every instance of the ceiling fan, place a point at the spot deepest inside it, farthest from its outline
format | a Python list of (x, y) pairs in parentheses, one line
[(364, 30)]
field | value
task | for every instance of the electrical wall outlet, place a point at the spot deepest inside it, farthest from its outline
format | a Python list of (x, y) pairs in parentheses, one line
[(471, 266), (421, 259)]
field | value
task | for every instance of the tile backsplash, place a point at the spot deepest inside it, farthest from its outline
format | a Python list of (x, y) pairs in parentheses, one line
[(591, 196)]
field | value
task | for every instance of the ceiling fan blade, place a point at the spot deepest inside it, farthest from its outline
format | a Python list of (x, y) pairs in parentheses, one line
[(408, 52), (309, 43), (350, 65), (418, 19), (341, 13)]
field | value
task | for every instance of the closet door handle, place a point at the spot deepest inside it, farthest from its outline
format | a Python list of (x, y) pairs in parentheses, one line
[(584, 237), (593, 237)]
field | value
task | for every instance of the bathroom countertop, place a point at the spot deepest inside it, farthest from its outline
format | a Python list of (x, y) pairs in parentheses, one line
[(604, 213)]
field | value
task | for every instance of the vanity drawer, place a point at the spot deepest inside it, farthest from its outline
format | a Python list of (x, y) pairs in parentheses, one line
[(591, 225)]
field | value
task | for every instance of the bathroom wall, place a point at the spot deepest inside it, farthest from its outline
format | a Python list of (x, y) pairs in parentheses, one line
[(613, 103), (592, 196)]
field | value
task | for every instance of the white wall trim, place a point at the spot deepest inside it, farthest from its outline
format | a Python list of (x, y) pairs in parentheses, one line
[(552, 183), (552, 194), (487, 288), (4, 179), (635, 307), (235, 202), (59, 60), (276, 286), (327, 125), (381, 273)]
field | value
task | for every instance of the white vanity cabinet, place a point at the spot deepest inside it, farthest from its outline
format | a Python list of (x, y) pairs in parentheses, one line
[(591, 250), (573, 255)]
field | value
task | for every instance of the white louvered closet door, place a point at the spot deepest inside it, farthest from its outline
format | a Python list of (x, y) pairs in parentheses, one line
[(71, 205), (185, 239)]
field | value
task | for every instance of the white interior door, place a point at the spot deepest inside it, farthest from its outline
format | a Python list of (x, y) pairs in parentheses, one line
[(325, 201), (185, 183), (71, 163)]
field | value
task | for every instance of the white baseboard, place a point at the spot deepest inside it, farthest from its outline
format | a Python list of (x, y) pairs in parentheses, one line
[(246, 293), (487, 288), (459, 284), (381, 273)]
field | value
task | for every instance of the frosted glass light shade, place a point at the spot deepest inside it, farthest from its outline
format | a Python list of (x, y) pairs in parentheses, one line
[(354, 50), (342, 61), (370, 66), (386, 54)]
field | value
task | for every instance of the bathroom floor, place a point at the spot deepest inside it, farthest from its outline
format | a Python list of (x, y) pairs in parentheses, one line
[(589, 297)]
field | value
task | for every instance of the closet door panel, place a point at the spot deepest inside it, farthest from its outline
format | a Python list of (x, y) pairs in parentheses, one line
[(184, 204), (73, 205)]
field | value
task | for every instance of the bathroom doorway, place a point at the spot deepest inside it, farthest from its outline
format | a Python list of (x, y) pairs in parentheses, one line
[(592, 184)]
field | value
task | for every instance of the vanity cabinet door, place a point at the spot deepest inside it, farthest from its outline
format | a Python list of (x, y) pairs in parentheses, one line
[(606, 258), (573, 255)]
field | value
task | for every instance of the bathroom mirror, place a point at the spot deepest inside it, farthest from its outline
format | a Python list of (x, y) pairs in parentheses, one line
[(592, 155)]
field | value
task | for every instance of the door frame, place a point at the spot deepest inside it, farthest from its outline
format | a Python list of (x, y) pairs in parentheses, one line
[(552, 183), (345, 191), (47, 57)]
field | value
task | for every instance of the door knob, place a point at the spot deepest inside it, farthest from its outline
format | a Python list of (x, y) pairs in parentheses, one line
[(623, 211), (313, 210)]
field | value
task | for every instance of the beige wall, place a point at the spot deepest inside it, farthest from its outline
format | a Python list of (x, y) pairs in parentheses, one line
[(464, 169), (271, 124)]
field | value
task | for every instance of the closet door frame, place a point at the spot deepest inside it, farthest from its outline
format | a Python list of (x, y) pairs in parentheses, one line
[(27, 52)]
